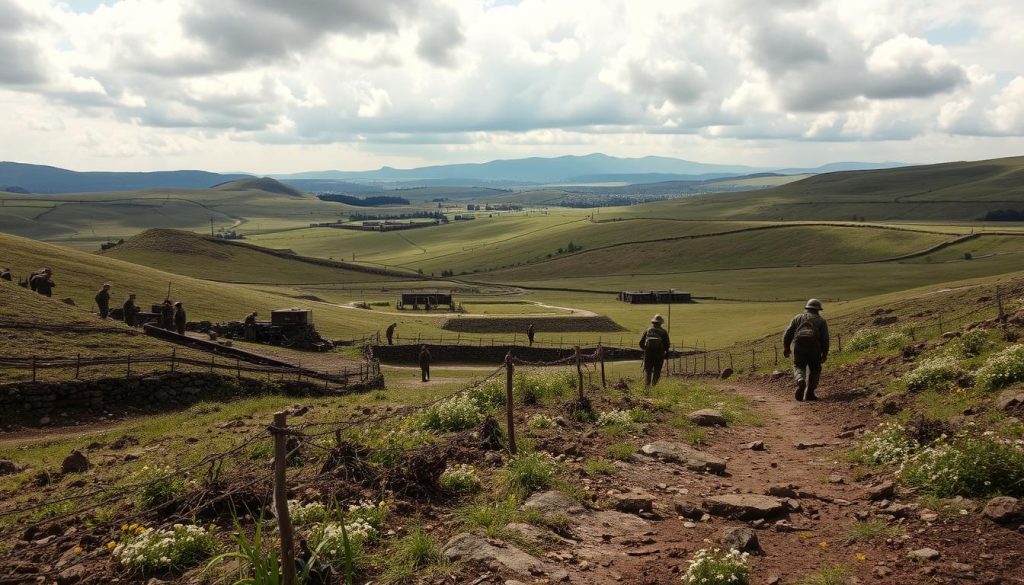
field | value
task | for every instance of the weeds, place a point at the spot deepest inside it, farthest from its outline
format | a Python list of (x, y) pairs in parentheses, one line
[(970, 466), (1002, 369), (461, 480), (599, 467), (717, 567), (834, 575), (528, 472), (621, 451), (414, 552)]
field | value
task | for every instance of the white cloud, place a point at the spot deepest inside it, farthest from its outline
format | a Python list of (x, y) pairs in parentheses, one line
[(407, 76)]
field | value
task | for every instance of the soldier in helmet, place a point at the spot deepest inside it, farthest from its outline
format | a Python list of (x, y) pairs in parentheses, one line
[(806, 339), (390, 333), (249, 326), (425, 363), (655, 344), (167, 315), (531, 331)]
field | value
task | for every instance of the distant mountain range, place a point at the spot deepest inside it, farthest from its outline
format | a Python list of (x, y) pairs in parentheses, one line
[(45, 179), (512, 173)]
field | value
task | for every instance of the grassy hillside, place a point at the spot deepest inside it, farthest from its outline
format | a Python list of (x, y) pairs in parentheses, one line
[(190, 254), (782, 246), (248, 205), (78, 275), (960, 191)]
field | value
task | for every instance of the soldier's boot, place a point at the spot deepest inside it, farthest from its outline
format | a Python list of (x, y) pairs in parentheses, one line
[(801, 385), (810, 396)]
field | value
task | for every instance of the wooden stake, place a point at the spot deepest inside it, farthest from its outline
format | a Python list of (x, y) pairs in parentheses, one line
[(509, 420), (579, 371), (284, 522), (600, 356)]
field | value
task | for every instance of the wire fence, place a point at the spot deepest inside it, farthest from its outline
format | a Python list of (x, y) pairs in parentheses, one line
[(20, 369)]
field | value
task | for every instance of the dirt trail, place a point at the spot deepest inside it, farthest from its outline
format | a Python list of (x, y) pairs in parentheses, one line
[(801, 441)]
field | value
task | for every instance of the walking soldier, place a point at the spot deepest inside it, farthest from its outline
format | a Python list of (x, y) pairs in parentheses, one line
[(425, 363), (103, 300), (655, 344), (806, 339), (179, 318)]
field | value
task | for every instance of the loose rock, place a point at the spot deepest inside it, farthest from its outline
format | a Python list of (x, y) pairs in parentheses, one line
[(686, 455), (1004, 510), (742, 539), (552, 502), (924, 554), (76, 462), (882, 491), (707, 417), (744, 506)]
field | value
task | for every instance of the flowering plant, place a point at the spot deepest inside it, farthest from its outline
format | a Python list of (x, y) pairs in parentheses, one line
[(717, 567), (541, 421), (455, 414), (933, 373), (887, 444), (462, 479), (1002, 369), (148, 550)]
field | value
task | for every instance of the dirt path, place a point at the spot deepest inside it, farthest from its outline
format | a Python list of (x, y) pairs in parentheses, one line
[(801, 450)]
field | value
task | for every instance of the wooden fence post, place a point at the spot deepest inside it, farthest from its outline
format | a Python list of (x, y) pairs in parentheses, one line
[(731, 367), (940, 323), (213, 360), (1002, 312), (174, 355), (753, 359), (839, 338), (705, 361), (78, 365), (579, 371), (129, 366), (600, 356), (34, 358), (284, 522), (509, 420), (718, 357), (238, 368)]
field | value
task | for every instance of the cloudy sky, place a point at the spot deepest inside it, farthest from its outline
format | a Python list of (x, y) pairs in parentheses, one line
[(291, 85)]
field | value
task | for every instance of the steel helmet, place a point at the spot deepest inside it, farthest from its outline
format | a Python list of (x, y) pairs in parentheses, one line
[(657, 319), (814, 304)]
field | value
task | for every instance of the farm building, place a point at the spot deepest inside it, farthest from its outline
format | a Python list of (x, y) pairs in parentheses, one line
[(651, 297), (428, 299)]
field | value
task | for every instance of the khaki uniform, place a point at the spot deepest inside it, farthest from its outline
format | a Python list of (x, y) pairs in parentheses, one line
[(807, 361), (103, 303), (425, 364), (180, 319), (654, 356)]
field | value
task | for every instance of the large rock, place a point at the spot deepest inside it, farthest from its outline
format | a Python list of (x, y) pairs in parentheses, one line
[(471, 547), (883, 491), (1010, 400), (8, 467), (924, 554), (1004, 510), (744, 506), (76, 462), (633, 502), (742, 539), (707, 417), (552, 502), (73, 574), (686, 455)]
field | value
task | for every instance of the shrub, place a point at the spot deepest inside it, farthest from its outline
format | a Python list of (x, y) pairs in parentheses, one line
[(489, 395), (413, 552), (896, 340), (162, 486), (1002, 369), (640, 415), (717, 567), (932, 373), (599, 467), (455, 414), (887, 444), (970, 466), (340, 543), (863, 340), (390, 448), (534, 387), (366, 511), (528, 472), (541, 421), (621, 451), (147, 550), (461, 480), (491, 517), (970, 343), (614, 418), (305, 514)]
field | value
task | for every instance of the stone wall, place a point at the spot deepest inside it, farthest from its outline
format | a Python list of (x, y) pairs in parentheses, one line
[(147, 393)]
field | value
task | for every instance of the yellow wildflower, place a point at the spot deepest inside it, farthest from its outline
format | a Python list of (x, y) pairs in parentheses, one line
[(111, 545), (79, 550), (823, 545), (862, 557)]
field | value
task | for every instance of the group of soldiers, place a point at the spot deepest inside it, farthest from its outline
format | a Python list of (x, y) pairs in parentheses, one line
[(171, 316), (41, 281), (806, 340)]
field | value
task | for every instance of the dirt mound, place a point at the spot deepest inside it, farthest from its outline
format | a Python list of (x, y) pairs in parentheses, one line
[(519, 324), (171, 242)]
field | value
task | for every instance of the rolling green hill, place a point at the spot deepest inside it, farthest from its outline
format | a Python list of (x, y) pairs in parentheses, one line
[(191, 254), (959, 191)]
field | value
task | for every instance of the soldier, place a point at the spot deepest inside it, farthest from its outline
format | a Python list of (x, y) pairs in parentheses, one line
[(5, 274), (167, 315), (42, 282), (249, 326), (131, 311), (179, 318), (390, 333), (103, 300), (806, 339), (425, 363), (655, 343), (530, 332)]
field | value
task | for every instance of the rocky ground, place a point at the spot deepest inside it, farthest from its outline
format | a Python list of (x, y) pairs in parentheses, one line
[(780, 491)]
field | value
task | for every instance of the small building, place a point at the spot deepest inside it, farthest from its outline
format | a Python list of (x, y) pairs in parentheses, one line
[(654, 297), (426, 299)]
